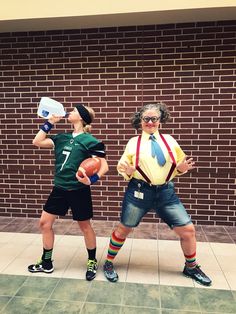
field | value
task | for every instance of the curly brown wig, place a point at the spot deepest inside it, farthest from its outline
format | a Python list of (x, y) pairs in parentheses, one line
[(159, 107)]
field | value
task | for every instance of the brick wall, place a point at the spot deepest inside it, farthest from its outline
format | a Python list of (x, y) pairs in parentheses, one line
[(191, 67)]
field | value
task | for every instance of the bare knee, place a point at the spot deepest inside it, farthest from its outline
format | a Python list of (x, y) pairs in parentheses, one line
[(85, 226), (122, 232), (186, 232), (45, 225)]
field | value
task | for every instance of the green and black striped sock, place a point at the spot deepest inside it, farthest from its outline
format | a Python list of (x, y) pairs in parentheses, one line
[(47, 255)]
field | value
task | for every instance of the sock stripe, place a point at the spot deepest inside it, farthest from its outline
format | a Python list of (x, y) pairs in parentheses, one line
[(114, 251), (113, 246), (119, 244), (113, 254), (190, 256)]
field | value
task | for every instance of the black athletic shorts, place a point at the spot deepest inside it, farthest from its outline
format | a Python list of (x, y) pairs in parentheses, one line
[(79, 201)]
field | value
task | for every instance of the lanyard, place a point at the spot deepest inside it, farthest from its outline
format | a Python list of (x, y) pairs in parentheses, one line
[(169, 151)]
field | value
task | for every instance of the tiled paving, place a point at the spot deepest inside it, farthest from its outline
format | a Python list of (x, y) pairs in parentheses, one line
[(149, 267)]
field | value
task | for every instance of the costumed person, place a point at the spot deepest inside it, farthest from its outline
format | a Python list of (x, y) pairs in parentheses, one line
[(150, 162), (70, 191)]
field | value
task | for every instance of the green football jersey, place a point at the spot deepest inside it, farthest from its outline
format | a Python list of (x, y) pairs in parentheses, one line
[(69, 153)]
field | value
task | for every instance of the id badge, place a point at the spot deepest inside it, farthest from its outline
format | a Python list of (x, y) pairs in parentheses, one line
[(138, 194)]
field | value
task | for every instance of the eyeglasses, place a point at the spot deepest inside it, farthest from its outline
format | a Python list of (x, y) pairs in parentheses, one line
[(153, 119)]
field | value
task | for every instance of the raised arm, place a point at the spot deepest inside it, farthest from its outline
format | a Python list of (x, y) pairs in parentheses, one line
[(41, 139)]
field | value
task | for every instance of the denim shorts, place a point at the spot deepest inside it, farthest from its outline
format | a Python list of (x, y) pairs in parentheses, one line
[(141, 198)]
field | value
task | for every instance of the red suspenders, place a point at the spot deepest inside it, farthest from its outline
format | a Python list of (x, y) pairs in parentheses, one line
[(169, 151), (137, 161)]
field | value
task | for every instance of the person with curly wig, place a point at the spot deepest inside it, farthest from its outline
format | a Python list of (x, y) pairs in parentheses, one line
[(150, 162)]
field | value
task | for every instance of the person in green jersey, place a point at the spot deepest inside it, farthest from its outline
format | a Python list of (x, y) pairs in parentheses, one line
[(69, 190)]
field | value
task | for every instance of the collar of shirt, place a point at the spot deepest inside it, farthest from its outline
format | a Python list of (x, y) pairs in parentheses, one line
[(146, 135)]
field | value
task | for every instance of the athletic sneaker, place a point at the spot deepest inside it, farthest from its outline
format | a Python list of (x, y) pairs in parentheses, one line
[(41, 266), (110, 272), (197, 274), (92, 267)]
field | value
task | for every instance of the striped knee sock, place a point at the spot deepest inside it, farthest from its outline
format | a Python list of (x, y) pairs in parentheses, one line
[(190, 260), (114, 247)]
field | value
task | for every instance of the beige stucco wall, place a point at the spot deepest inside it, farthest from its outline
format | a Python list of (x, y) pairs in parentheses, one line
[(15, 9), (54, 14)]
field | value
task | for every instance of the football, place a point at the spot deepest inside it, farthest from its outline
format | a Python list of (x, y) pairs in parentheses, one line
[(90, 166)]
